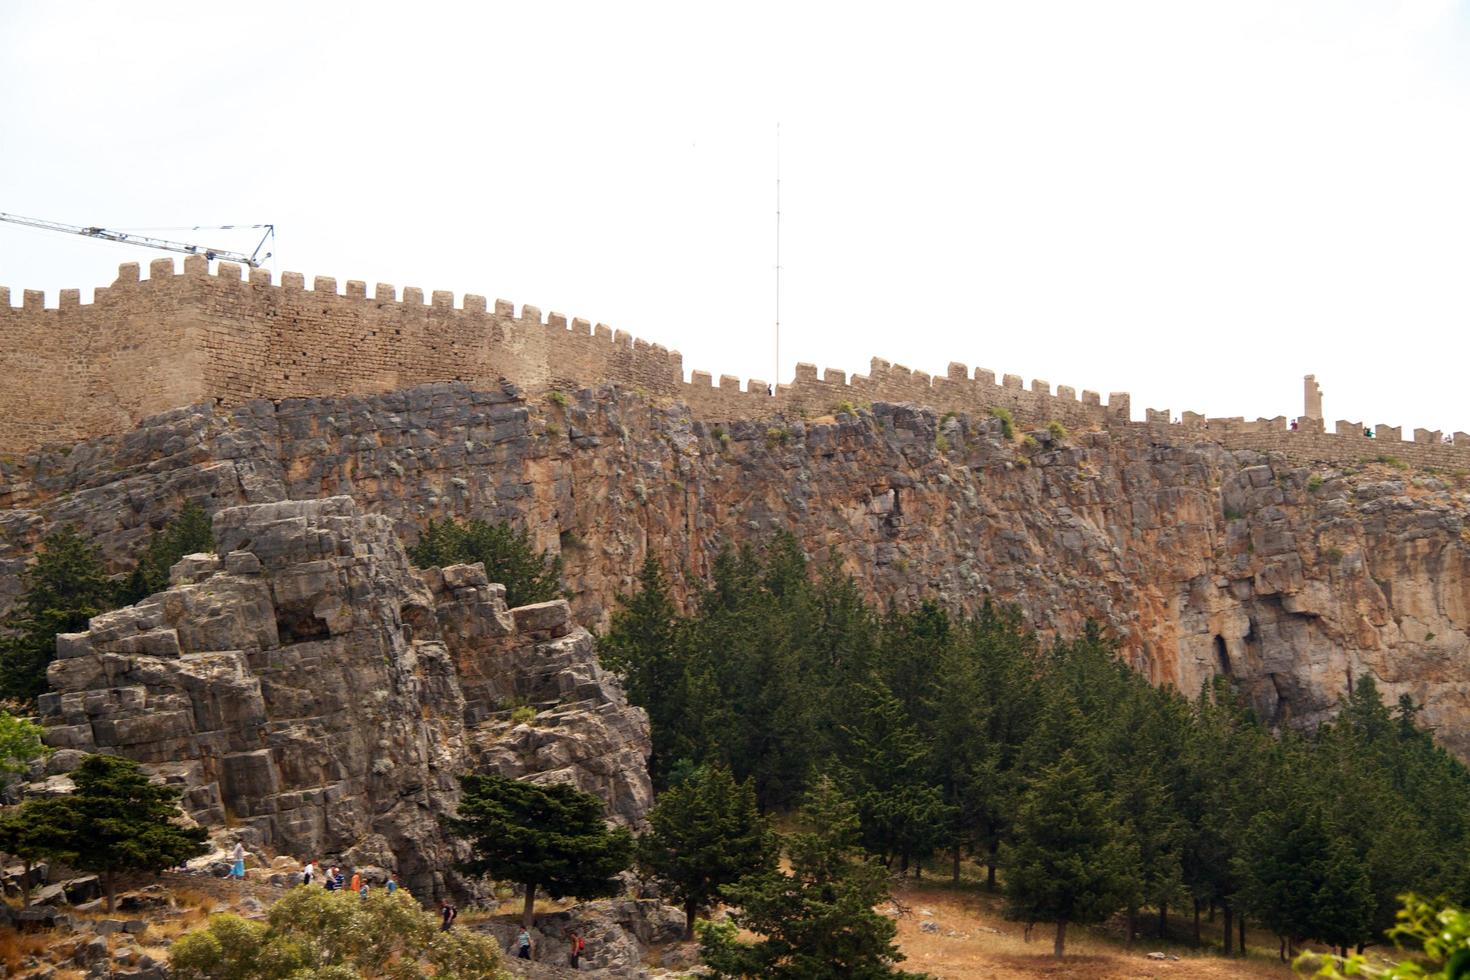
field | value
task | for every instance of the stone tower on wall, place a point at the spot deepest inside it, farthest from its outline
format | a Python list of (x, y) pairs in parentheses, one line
[(1314, 398)]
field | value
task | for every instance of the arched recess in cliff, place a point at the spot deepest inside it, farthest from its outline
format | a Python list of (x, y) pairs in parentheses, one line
[(1222, 656)]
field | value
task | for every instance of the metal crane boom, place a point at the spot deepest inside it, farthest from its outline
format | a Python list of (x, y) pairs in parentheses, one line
[(253, 260)]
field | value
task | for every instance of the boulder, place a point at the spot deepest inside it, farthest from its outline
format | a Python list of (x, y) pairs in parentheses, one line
[(83, 889), (40, 917)]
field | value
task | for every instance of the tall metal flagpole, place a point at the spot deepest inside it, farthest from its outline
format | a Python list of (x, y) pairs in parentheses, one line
[(777, 380)]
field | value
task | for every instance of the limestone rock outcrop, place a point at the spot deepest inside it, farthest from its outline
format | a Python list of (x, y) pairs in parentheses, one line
[(312, 690), (1292, 577)]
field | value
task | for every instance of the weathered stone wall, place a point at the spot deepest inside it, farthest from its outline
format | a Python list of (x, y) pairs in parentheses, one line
[(79, 370), (145, 346), (1301, 575)]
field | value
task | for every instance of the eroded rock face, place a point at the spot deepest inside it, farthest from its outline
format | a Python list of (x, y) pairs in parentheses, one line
[(1200, 559), (310, 688)]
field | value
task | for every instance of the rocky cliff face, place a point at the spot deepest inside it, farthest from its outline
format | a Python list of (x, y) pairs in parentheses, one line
[(308, 688), (1294, 579)]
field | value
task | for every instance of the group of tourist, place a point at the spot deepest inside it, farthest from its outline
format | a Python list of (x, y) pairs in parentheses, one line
[(576, 945), (334, 879)]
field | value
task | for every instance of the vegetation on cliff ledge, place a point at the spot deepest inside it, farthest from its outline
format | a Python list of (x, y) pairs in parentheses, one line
[(68, 584), (510, 558)]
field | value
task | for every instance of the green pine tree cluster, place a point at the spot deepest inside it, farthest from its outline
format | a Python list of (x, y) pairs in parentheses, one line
[(68, 584), (1058, 770), (509, 555)]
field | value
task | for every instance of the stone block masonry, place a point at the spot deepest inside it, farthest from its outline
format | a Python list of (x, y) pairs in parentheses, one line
[(145, 346)]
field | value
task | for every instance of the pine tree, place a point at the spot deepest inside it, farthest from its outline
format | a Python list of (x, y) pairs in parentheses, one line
[(65, 586), (507, 553), (752, 702), (705, 834), (1069, 862), (901, 810), (1226, 755), (1142, 746), (550, 838), (1409, 798), (189, 533), (816, 923), (40, 829), (645, 647), (122, 821), (1008, 664), (1301, 878)]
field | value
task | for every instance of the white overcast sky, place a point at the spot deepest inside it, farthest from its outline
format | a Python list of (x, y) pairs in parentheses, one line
[(1197, 203)]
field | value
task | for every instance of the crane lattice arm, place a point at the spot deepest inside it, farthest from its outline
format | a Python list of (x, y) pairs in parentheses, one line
[(253, 260)]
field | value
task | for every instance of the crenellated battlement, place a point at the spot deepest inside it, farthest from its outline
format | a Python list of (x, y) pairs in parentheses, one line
[(183, 336)]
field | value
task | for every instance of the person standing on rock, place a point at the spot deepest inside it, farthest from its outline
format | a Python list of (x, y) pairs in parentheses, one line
[(448, 913), (574, 956), (523, 945), (237, 861), (306, 873)]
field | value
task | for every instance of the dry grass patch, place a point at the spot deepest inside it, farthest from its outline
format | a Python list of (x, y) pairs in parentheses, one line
[(985, 946), (16, 946), (173, 928), (196, 900)]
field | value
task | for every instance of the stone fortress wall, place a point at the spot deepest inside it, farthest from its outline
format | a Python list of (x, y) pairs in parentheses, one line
[(144, 346)]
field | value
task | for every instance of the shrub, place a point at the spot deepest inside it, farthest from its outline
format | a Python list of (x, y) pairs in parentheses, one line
[(1333, 555), (1029, 441), (524, 715), (1391, 461), (777, 436), (312, 932), (844, 408), (1438, 935), (941, 443), (1007, 421), (20, 743), (1058, 430), (558, 398), (1314, 483), (1231, 514)]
